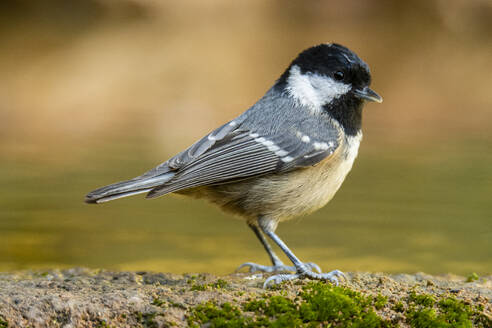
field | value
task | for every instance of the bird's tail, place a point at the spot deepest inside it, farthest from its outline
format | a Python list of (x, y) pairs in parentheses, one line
[(131, 187)]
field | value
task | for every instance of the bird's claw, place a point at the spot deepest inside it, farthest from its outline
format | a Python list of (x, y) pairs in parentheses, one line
[(330, 276), (313, 266), (253, 267), (279, 278)]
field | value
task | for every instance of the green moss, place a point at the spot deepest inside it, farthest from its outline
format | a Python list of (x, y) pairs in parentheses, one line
[(456, 311), (282, 310), (421, 299), (147, 319), (191, 280), (3, 322), (102, 324), (219, 284), (380, 301), (199, 287), (426, 317), (339, 305), (447, 313), (398, 307), (472, 277), (158, 302), (225, 315), (317, 304)]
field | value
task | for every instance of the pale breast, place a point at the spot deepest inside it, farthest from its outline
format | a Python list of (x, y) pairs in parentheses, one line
[(307, 190), (284, 196)]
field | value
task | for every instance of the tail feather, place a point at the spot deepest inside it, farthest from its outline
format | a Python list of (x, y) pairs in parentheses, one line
[(135, 186), (116, 196)]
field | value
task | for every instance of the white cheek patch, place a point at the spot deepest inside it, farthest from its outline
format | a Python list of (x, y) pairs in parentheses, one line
[(313, 90), (352, 149)]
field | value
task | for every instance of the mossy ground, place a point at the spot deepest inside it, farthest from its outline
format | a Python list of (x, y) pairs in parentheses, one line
[(92, 298), (316, 304), (320, 304)]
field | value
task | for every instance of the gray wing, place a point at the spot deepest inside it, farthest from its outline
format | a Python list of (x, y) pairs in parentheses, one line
[(162, 174), (235, 152)]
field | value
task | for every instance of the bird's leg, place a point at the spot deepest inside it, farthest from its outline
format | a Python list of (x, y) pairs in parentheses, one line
[(273, 257), (302, 269), (277, 264)]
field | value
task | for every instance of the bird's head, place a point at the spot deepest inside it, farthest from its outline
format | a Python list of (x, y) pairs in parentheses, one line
[(329, 78)]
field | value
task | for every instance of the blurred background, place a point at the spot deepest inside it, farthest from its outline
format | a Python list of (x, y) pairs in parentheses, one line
[(96, 91)]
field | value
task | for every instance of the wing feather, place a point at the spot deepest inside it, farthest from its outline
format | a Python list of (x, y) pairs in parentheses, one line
[(243, 154), (221, 169)]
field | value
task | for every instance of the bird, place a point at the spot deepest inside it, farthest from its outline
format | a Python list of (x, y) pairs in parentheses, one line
[(286, 156)]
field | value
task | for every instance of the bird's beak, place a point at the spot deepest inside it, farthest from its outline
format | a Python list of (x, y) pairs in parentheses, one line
[(368, 94)]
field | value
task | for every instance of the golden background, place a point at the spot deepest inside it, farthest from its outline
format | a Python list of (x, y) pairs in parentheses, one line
[(96, 91)]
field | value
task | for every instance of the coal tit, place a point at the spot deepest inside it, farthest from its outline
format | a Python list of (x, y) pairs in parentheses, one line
[(285, 156)]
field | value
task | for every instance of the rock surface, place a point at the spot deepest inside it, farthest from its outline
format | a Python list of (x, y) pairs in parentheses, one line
[(95, 298)]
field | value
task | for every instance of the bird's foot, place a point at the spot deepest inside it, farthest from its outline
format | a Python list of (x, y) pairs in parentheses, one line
[(279, 267), (304, 272)]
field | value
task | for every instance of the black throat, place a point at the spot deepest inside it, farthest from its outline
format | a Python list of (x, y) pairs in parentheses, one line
[(348, 112)]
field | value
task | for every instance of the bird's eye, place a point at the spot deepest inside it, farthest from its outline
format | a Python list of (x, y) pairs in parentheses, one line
[(338, 75)]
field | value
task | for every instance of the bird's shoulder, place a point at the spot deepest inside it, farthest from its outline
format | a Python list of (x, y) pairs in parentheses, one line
[(275, 127)]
